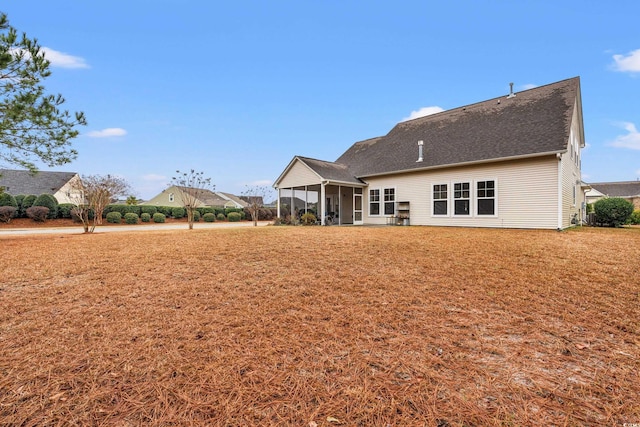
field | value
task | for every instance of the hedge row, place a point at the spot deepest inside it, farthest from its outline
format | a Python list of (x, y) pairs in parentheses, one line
[(64, 210)]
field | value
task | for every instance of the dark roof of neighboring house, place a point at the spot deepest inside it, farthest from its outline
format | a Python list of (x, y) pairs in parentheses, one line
[(618, 189), (530, 123), (24, 182), (330, 170), (235, 199), (210, 198)]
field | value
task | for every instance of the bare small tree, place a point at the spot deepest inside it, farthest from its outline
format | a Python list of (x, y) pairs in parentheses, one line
[(92, 194), (192, 185), (254, 195)]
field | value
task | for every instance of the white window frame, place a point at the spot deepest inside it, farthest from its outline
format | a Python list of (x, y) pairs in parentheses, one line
[(379, 202), (477, 198), (384, 201), (470, 198), (447, 200)]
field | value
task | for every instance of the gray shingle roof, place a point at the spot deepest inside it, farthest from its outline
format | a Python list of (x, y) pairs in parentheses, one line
[(618, 189), (23, 182), (330, 170), (535, 121)]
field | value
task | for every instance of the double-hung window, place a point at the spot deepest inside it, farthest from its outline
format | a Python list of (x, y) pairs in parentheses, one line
[(440, 199), (374, 202), (389, 201), (461, 198), (486, 197)]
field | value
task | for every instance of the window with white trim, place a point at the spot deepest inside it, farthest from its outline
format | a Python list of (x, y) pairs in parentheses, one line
[(374, 202), (389, 201), (486, 197), (440, 199), (461, 198), (171, 198)]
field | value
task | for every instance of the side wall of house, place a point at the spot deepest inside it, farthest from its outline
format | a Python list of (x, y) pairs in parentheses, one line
[(526, 194), (164, 198), (299, 175), (68, 193), (572, 194)]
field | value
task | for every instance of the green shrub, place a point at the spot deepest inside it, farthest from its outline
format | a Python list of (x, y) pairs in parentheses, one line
[(234, 216), (178, 212), (38, 213), (7, 199), (64, 210), (308, 219), (145, 217), (218, 211), (220, 217), (206, 210), (27, 202), (131, 218), (114, 217), (613, 211), (209, 217), (6, 213), (19, 199), (159, 217), (148, 210), (165, 210), (635, 217), (49, 202), (196, 216), (123, 209)]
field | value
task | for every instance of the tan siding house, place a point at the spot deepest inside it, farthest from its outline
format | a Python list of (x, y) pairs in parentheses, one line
[(172, 197), (512, 161)]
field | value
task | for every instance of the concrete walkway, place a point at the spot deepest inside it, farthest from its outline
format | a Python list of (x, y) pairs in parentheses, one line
[(139, 227)]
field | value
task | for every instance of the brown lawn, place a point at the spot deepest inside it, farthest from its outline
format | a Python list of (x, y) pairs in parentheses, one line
[(321, 326)]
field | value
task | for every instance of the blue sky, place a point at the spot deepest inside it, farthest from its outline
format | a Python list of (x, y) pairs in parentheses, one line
[(236, 89)]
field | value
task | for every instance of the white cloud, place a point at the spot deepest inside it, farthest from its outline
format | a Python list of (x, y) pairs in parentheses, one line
[(424, 111), (63, 60), (638, 172), (630, 140), (629, 63), (528, 86), (106, 133)]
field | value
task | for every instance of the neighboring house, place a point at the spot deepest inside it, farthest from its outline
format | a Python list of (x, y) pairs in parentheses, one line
[(628, 190), (216, 199), (59, 184), (511, 161)]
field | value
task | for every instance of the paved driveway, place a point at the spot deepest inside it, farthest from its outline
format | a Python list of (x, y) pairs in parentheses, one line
[(139, 227)]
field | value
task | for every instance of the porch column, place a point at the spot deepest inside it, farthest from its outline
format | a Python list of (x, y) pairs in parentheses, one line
[(339, 205), (306, 197), (293, 206), (322, 203), (278, 203)]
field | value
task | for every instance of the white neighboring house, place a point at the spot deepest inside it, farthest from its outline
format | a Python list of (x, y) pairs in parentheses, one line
[(511, 161), (59, 184)]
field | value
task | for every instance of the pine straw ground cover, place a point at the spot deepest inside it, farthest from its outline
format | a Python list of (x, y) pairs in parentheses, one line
[(321, 326)]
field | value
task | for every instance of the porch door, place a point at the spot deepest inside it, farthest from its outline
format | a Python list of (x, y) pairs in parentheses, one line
[(357, 207)]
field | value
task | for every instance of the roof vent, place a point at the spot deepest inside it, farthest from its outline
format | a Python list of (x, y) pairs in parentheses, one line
[(511, 94), (420, 157)]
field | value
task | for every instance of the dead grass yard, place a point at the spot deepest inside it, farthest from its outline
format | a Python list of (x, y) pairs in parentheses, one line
[(321, 326)]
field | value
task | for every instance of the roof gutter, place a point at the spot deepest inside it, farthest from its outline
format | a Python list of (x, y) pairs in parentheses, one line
[(462, 164)]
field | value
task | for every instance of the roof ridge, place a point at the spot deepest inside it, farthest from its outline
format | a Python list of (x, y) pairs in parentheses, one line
[(486, 101)]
